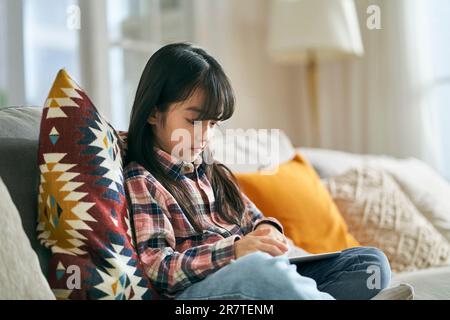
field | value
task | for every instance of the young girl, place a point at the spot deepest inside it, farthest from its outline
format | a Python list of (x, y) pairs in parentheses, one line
[(197, 234)]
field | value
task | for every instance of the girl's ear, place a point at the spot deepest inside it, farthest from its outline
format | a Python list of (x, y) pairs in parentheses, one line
[(154, 118)]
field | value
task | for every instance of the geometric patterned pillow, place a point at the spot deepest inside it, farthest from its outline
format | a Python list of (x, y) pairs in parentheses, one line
[(83, 214), (379, 214)]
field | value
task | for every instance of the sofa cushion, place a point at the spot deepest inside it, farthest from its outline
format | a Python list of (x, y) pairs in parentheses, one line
[(20, 122), (19, 171), (429, 284), (379, 214), (20, 276), (83, 215), (293, 193), (19, 133)]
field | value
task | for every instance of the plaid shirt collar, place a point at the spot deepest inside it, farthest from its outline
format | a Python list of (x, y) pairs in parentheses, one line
[(177, 167)]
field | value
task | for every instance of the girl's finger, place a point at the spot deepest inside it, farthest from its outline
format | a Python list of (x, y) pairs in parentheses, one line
[(273, 250), (280, 245), (260, 232), (284, 240)]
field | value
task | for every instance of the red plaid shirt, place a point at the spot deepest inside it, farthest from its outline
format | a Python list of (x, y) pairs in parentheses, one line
[(173, 253)]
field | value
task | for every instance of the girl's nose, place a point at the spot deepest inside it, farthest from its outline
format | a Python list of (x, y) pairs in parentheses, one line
[(208, 133), (203, 135)]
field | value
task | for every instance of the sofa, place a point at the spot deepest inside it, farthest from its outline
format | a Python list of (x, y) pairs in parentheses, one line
[(19, 132)]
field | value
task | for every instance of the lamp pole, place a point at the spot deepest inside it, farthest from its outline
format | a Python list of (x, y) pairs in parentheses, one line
[(313, 85)]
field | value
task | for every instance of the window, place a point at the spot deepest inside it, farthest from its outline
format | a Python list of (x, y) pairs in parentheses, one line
[(12, 85), (438, 33), (106, 55), (49, 45), (138, 28)]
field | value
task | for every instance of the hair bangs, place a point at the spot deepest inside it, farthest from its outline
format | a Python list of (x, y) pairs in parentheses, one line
[(219, 98)]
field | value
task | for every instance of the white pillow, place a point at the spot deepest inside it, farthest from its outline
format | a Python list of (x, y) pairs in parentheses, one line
[(329, 163), (246, 152), (379, 214), (20, 273), (427, 190)]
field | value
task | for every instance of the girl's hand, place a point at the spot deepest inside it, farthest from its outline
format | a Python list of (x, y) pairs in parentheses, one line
[(259, 240), (274, 232)]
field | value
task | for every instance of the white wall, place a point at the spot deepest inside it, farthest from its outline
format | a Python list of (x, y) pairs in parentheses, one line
[(267, 94)]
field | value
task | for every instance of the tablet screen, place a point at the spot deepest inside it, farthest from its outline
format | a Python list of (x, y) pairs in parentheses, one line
[(313, 257)]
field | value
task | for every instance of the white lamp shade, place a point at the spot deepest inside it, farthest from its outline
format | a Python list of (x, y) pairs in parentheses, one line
[(328, 28)]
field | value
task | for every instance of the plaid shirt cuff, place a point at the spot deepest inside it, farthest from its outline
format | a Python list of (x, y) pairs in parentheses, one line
[(269, 220), (222, 251)]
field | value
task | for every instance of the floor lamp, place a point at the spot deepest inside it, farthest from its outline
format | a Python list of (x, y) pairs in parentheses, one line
[(310, 31)]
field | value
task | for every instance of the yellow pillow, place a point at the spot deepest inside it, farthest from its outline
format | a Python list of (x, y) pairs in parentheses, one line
[(296, 197)]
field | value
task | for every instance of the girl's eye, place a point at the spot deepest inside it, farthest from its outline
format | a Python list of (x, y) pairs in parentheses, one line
[(211, 124)]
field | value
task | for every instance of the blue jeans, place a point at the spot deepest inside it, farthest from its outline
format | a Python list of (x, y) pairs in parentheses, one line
[(259, 276)]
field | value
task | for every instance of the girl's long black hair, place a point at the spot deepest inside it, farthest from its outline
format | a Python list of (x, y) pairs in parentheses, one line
[(171, 75)]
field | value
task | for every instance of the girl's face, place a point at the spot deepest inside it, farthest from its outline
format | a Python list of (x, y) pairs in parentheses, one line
[(177, 131)]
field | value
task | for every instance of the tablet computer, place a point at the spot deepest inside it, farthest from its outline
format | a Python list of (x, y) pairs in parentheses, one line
[(313, 257)]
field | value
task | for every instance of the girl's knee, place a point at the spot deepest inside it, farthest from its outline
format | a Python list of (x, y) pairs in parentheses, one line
[(261, 263), (255, 257), (376, 264), (270, 277), (261, 267)]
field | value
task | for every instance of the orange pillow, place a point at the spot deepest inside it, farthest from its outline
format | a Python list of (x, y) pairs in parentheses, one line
[(296, 197)]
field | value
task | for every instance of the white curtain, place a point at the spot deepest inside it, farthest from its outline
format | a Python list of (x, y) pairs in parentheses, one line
[(378, 104), (12, 81)]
